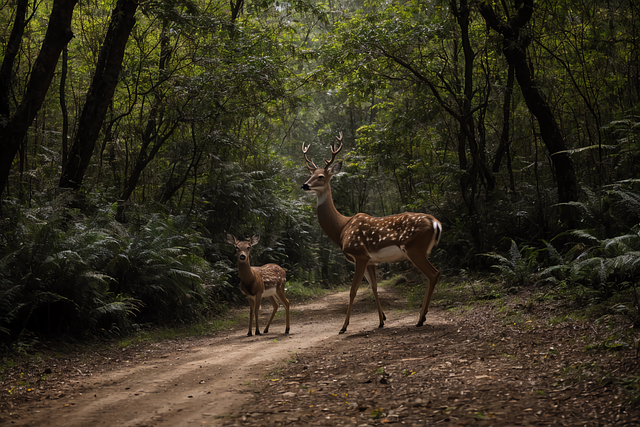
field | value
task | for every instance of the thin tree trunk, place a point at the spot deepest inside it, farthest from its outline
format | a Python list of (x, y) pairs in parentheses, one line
[(10, 53), (515, 45), (100, 93), (170, 188), (504, 149), (13, 130), (63, 107), (151, 136)]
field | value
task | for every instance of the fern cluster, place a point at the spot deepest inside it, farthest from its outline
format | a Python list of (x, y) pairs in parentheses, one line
[(599, 267), (590, 264), (64, 273)]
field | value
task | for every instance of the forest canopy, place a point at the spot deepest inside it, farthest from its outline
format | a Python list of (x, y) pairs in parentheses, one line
[(135, 134)]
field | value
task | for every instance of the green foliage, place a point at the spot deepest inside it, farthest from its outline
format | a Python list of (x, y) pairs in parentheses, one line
[(518, 267), (76, 274), (593, 267), (161, 266), (223, 102)]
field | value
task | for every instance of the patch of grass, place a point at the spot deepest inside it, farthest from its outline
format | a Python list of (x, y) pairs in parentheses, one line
[(515, 318), (581, 372), (298, 291), (6, 364), (377, 413), (567, 318), (614, 342), (631, 385), (154, 335), (413, 292)]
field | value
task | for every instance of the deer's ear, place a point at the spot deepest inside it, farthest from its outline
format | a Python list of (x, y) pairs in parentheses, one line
[(335, 169), (255, 239), (231, 239)]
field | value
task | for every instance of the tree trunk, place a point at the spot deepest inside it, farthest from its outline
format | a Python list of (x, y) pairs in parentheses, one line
[(505, 143), (63, 107), (152, 137), (11, 51), (170, 188), (100, 93), (479, 164), (152, 141), (514, 48), (13, 129)]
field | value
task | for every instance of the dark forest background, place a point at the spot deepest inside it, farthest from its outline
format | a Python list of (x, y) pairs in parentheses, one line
[(134, 134)]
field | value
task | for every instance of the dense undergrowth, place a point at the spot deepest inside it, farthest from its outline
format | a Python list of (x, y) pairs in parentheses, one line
[(65, 274), (78, 274)]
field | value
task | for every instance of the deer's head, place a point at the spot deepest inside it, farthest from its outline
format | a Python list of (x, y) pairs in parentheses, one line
[(243, 247), (319, 180)]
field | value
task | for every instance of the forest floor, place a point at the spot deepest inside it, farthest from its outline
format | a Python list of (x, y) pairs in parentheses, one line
[(464, 367)]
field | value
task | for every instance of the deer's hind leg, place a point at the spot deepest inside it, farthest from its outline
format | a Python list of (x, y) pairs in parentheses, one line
[(275, 304), (283, 299), (420, 260), (370, 275)]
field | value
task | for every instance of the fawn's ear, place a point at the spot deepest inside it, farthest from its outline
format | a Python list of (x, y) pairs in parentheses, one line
[(255, 239), (231, 239)]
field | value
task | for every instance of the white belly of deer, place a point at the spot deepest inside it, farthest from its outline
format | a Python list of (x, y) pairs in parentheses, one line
[(388, 254), (269, 292), (266, 294)]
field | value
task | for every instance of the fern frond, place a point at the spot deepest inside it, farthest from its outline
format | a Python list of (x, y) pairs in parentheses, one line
[(514, 253), (554, 256), (586, 235), (621, 244), (499, 258)]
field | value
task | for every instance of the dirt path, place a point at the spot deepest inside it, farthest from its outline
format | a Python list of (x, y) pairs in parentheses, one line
[(192, 382), (471, 371)]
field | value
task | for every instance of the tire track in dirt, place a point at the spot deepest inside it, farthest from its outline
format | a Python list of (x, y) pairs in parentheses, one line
[(208, 379)]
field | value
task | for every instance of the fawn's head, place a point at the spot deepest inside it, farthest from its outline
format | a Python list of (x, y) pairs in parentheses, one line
[(243, 247)]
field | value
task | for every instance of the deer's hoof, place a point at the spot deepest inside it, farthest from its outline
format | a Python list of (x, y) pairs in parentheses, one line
[(286, 331)]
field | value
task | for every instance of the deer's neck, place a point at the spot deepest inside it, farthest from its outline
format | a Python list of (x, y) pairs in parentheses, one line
[(245, 272), (331, 221)]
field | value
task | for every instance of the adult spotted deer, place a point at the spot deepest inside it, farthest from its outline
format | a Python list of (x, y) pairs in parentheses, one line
[(259, 282), (367, 241)]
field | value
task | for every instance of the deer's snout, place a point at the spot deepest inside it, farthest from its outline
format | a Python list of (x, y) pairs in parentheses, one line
[(242, 257), (305, 187)]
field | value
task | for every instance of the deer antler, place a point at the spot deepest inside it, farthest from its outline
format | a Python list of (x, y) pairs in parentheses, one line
[(334, 151), (309, 161)]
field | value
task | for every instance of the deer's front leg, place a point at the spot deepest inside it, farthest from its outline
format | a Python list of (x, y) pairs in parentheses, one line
[(251, 303), (256, 305), (357, 279)]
